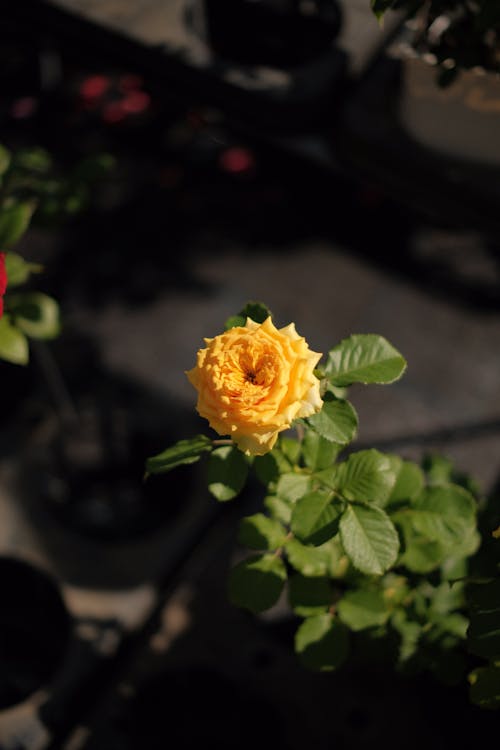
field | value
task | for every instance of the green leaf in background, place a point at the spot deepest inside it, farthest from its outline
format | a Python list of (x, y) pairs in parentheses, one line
[(279, 508), (257, 582), (337, 421), (309, 596), (257, 311), (420, 555), (183, 452), (444, 514), (290, 448), (483, 637), (409, 483), (409, 632), (438, 468), (367, 476), (14, 221), (5, 159), (227, 472), (314, 518), (322, 643), (33, 159), (270, 466), (485, 687), (363, 609), (19, 270), (293, 486), (369, 538), (318, 452), (310, 561), (35, 314), (364, 358), (261, 532), (13, 343)]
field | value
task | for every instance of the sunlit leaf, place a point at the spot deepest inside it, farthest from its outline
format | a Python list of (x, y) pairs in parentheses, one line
[(360, 609), (369, 538), (318, 452), (337, 421), (18, 269), (35, 314), (13, 343), (308, 560), (364, 358), (183, 452), (314, 518), (367, 476)]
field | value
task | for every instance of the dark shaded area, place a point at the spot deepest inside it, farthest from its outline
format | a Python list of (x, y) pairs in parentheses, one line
[(35, 630)]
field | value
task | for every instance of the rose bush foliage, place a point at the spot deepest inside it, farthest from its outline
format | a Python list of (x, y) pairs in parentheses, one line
[(356, 543)]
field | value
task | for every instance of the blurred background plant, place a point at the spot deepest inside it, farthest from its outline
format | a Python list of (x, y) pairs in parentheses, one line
[(458, 34), (33, 189)]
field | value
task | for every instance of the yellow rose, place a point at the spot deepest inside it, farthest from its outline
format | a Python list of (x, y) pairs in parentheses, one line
[(253, 381)]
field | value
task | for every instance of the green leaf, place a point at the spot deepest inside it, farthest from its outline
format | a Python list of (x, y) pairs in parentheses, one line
[(13, 343), (35, 314), (369, 538), (420, 555), (409, 483), (444, 514), (438, 468), (366, 475), (227, 472), (318, 452), (314, 518), (4, 160), (270, 466), (322, 643), (483, 636), (364, 358), (183, 452), (257, 311), (279, 508), (309, 596), (292, 486), (257, 582), (33, 159), (14, 221), (290, 447), (18, 270), (337, 421), (363, 609), (410, 633), (261, 532), (485, 687), (310, 561)]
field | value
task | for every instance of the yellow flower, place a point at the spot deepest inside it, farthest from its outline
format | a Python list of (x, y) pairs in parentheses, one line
[(253, 381)]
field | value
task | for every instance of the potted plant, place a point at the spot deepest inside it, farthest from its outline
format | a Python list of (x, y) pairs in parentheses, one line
[(450, 58)]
